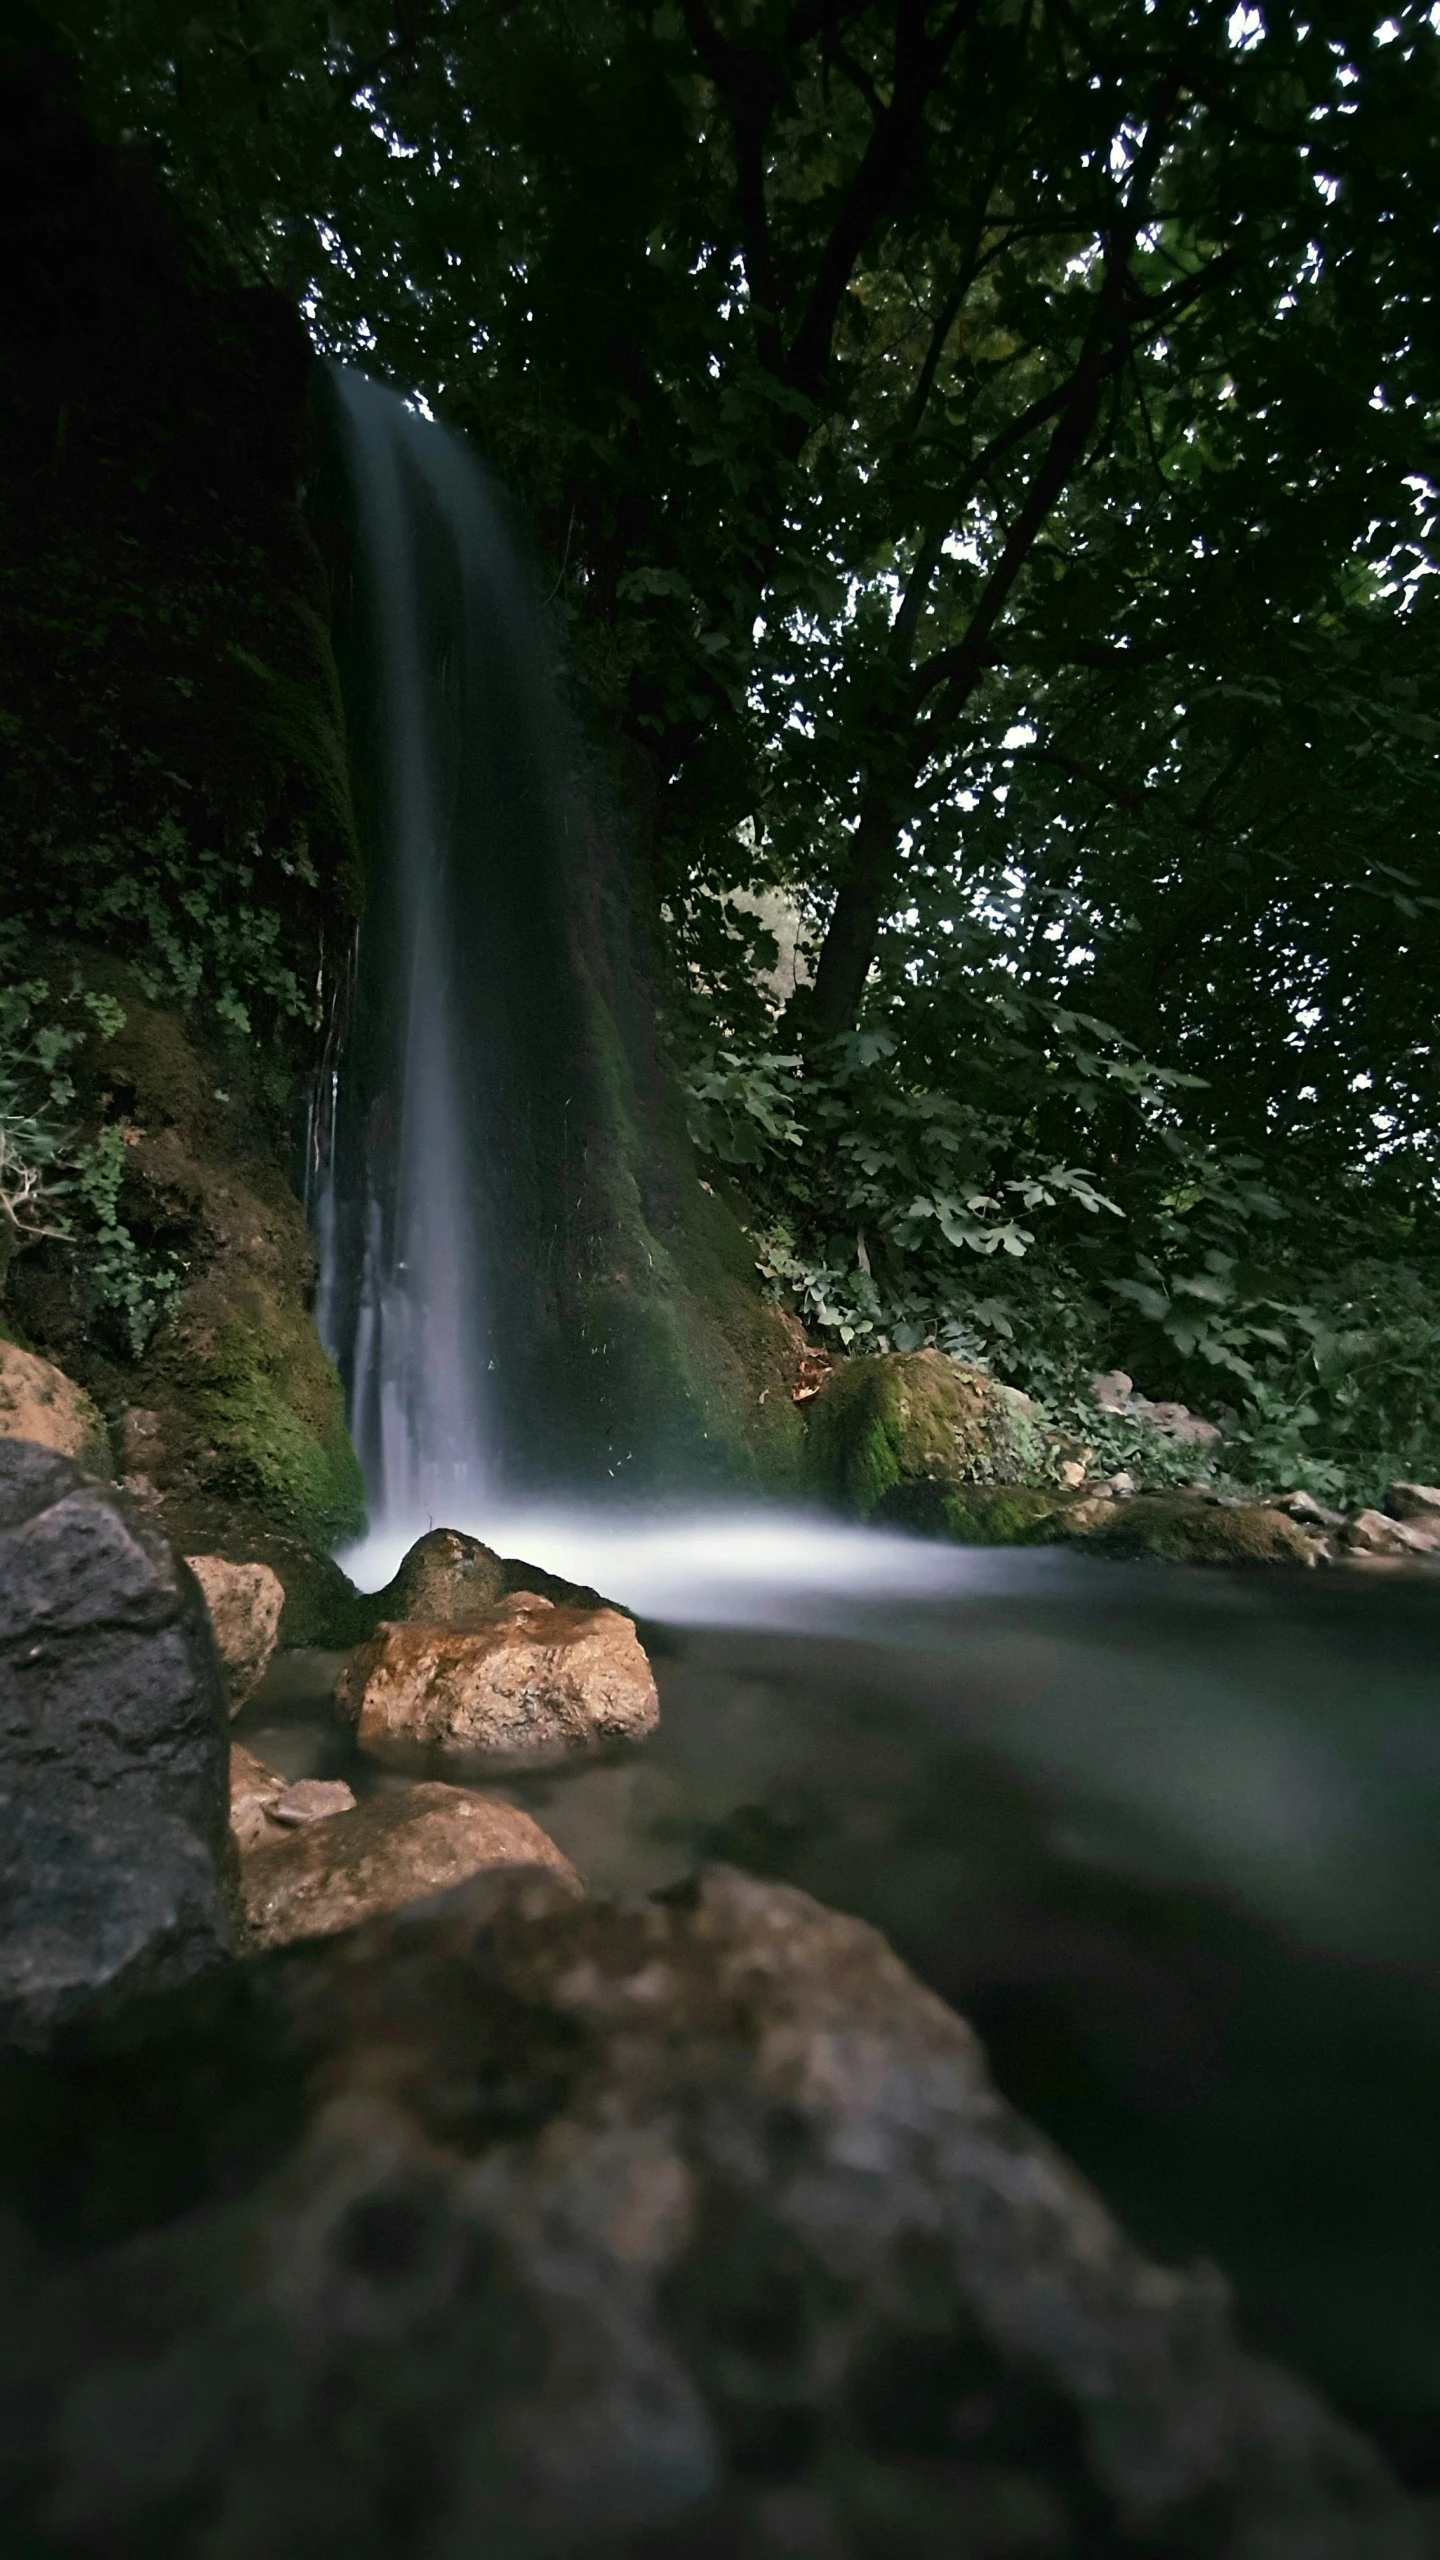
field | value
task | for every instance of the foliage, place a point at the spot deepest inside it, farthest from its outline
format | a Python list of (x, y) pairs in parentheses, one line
[(985, 463), (60, 1186)]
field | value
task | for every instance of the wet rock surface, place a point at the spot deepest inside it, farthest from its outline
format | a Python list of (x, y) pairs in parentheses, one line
[(245, 1602), (313, 1865), (449, 1579), (525, 1685), (536, 2227), (112, 1753)]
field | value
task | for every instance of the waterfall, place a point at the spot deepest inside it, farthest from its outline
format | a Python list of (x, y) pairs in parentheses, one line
[(445, 1121)]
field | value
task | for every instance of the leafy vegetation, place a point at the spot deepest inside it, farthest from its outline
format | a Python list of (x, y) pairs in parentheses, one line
[(985, 458), (55, 1184)]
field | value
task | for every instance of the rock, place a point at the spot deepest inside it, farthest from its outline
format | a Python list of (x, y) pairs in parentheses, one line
[(1373, 1533), (525, 1687), (245, 1602), (1115, 1393), (1172, 1528), (1179, 1423), (541, 2228), (39, 1403), (980, 1515), (311, 1800), (328, 1873), (1179, 1528), (882, 1421), (1417, 1503), (265, 1806), (1303, 1506), (253, 1789), (450, 1580), (112, 1753)]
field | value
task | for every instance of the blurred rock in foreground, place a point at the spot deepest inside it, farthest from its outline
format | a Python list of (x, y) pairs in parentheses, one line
[(527, 2226)]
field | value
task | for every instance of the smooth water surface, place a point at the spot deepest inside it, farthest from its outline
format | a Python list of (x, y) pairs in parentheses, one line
[(1169, 1839)]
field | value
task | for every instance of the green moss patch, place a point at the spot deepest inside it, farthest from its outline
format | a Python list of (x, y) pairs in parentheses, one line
[(271, 1406), (916, 1418)]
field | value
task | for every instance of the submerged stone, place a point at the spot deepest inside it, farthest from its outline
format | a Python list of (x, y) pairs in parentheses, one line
[(112, 1753), (540, 2227), (526, 1685), (266, 1806)]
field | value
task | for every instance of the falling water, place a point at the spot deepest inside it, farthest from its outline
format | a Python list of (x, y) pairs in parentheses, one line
[(459, 1032)]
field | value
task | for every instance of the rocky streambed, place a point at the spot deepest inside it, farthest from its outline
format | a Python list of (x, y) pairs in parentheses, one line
[(370, 2185)]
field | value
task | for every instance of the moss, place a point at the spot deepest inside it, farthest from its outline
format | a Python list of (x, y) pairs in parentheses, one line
[(271, 1406), (1178, 1528), (977, 1515), (916, 1418), (1165, 1528), (673, 1368)]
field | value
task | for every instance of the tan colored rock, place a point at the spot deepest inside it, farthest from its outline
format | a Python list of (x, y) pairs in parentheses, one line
[(531, 1686), (1419, 1504), (265, 1806), (253, 1789), (1373, 1533), (39, 1403), (244, 1601), (395, 1848)]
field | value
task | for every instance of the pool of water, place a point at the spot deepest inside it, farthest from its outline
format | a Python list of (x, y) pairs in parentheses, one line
[(1170, 1840)]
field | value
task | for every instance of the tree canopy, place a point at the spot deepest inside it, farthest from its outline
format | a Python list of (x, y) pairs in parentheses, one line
[(984, 453)]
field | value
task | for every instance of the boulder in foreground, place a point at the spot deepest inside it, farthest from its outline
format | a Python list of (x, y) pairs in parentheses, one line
[(321, 1875), (540, 2228), (113, 1750), (525, 1686)]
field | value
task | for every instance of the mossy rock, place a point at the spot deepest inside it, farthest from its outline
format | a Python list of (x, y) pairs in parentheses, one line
[(455, 1581), (905, 1418), (977, 1515), (1166, 1528), (270, 1404), (233, 1419), (1180, 1528)]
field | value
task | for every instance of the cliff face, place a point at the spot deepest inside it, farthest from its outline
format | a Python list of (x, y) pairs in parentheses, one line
[(177, 853)]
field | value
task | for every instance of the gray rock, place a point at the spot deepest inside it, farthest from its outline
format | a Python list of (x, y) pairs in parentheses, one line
[(113, 1749), (1302, 1506), (538, 2228)]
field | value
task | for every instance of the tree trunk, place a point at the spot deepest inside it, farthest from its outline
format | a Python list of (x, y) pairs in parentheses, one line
[(833, 1003)]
